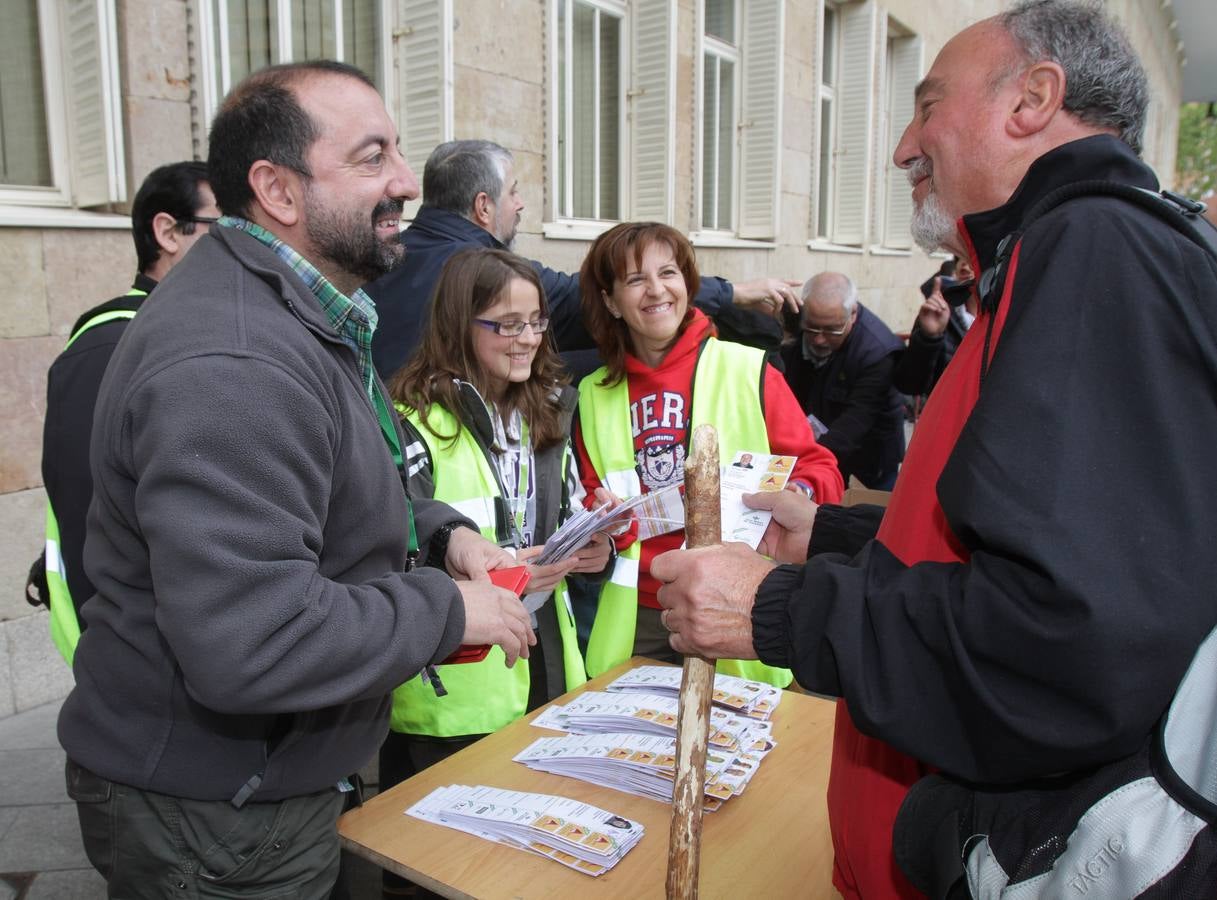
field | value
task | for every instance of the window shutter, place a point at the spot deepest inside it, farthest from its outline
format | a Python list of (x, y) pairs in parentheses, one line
[(760, 119), (95, 141), (854, 132), (902, 79), (652, 102), (424, 81)]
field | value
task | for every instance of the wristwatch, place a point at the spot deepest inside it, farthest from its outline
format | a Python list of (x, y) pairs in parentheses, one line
[(437, 547), (804, 488)]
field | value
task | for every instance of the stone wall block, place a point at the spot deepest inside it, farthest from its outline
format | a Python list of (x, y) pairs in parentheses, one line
[(39, 674), (26, 313), (85, 267), (504, 110), (23, 369), (160, 134), (500, 37), (156, 64)]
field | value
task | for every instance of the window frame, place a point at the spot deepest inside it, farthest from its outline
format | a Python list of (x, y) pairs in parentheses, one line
[(851, 177), (712, 46), (213, 85), (901, 45), (826, 132), (57, 204), (560, 222)]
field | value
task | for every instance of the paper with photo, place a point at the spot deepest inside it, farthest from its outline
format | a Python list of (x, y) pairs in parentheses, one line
[(750, 473)]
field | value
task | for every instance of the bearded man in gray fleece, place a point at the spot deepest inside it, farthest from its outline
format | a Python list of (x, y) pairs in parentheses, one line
[(250, 537)]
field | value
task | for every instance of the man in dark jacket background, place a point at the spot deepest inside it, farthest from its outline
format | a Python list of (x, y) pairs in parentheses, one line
[(840, 369), (471, 198), (250, 539), (173, 208), (1043, 575)]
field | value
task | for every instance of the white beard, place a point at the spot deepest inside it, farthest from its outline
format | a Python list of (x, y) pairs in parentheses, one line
[(931, 226)]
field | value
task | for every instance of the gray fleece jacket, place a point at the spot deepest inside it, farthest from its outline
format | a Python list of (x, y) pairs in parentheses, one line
[(247, 540)]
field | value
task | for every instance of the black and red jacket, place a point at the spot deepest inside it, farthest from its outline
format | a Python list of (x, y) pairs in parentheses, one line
[(1044, 572)]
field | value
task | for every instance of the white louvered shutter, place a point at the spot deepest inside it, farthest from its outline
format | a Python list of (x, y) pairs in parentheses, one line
[(881, 111), (652, 104), (760, 119), (424, 106), (854, 130), (902, 79), (95, 142)]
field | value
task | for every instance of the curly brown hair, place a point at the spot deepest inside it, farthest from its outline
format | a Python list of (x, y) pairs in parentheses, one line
[(606, 263), (472, 281)]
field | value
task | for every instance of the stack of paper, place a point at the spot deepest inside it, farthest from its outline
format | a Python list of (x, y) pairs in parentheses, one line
[(656, 513), (576, 834), (638, 764), (601, 712), (754, 699)]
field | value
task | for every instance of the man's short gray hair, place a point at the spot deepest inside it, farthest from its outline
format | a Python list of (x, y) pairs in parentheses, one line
[(835, 286), (1105, 84), (457, 171)]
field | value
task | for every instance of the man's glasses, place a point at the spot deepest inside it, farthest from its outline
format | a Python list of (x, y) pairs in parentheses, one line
[(198, 220), (828, 332), (514, 327)]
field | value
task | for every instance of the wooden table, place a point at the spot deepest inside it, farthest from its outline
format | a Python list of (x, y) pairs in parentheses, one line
[(771, 841)]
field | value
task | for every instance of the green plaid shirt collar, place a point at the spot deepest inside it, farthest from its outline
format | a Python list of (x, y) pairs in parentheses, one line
[(354, 317)]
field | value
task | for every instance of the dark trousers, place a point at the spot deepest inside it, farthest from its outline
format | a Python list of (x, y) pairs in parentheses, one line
[(149, 845)]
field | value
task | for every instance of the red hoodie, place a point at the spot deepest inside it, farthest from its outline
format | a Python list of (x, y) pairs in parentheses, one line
[(660, 403)]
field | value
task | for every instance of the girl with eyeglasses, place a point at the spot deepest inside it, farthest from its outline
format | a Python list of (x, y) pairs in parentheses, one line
[(486, 413)]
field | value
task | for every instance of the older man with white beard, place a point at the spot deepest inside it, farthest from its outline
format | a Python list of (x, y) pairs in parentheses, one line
[(1025, 614)]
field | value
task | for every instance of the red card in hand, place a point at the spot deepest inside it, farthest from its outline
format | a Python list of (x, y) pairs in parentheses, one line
[(515, 580)]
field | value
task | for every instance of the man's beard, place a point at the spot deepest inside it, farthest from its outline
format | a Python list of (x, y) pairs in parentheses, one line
[(350, 243), (931, 225), (508, 237)]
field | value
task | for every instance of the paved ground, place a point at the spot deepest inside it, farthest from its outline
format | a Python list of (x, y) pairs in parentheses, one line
[(41, 857)]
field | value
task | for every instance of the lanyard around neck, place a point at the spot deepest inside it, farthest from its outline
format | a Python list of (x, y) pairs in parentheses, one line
[(520, 501), (388, 428)]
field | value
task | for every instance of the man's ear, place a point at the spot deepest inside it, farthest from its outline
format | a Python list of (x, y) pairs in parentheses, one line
[(164, 230), (1041, 96), (483, 210), (278, 191)]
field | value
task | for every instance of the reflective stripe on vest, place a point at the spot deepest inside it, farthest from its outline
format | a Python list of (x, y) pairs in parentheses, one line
[(726, 394), (65, 625), (483, 696)]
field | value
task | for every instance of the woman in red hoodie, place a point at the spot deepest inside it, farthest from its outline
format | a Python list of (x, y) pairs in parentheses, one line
[(665, 372)]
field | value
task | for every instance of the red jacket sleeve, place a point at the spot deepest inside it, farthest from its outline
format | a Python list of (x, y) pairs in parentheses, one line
[(587, 472), (791, 435)]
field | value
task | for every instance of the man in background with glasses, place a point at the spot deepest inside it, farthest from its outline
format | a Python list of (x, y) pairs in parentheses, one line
[(840, 369), (173, 208)]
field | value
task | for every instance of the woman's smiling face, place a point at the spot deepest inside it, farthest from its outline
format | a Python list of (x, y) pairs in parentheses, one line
[(652, 299)]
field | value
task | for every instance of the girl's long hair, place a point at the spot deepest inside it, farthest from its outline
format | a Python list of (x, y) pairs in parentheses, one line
[(472, 281)]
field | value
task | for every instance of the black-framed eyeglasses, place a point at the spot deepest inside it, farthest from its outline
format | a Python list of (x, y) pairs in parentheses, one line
[(199, 220), (827, 332), (514, 327)]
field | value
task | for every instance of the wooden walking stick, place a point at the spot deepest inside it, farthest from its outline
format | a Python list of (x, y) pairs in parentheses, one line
[(702, 528)]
